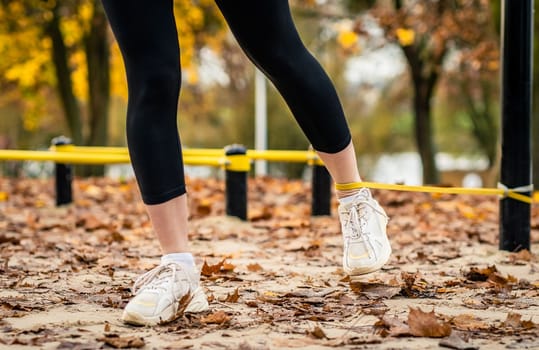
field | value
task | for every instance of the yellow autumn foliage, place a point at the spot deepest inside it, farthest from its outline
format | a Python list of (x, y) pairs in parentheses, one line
[(26, 52), (347, 39), (118, 81), (406, 37), (25, 61)]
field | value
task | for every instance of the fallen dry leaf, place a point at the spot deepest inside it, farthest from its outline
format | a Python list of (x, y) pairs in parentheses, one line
[(119, 342), (227, 267), (208, 270), (51, 263), (9, 239), (217, 317), (514, 320), (374, 290), (474, 303), (70, 345), (183, 303), (391, 326), (317, 333), (480, 275), (232, 298), (467, 322), (522, 256), (454, 341), (425, 324), (222, 266), (254, 267)]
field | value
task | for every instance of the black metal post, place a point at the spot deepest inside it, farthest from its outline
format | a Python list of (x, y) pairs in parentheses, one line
[(236, 181), (321, 191), (63, 175), (517, 36)]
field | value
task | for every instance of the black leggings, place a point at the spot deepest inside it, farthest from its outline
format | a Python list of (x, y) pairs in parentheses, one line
[(146, 33)]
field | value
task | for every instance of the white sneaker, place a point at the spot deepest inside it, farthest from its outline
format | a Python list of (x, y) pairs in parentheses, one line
[(164, 293), (363, 224)]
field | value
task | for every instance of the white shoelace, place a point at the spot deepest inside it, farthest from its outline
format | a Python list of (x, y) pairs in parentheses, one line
[(355, 222), (159, 278)]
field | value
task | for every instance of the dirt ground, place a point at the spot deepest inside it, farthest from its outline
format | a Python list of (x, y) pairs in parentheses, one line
[(274, 282)]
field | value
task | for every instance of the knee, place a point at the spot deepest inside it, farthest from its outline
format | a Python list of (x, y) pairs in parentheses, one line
[(280, 60), (153, 99), (157, 84)]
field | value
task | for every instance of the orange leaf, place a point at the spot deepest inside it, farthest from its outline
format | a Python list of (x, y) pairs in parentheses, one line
[(512, 320), (467, 322), (208, 270), (425, 324), (227, 267), (317, 333), (232, 298), (218, 317), (254, 267), (523, 255), (119, 342)]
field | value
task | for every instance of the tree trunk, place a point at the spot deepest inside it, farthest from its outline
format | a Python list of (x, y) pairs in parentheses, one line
[(63, 77), (423, 132), (96, 46), (535, 140), (535, 101), (484, 128), (424, 84)]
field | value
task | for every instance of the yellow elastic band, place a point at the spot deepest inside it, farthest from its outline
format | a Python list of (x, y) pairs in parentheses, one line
[(434, 189)]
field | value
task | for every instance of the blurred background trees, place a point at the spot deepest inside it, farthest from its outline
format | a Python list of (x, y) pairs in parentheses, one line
[(413, 75)]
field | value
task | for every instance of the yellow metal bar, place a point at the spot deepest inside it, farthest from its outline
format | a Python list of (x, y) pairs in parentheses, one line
[(206, 152), (309, 157), (209, 161), (61, 157), (285, 156), (88, 149), (214, 157), (238, 162), (95, 158)]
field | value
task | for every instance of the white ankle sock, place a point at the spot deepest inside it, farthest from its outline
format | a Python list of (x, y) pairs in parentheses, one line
[(351, 197), (182, 258), (347, 199)]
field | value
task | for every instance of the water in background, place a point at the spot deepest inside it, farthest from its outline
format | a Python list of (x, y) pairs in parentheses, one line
[(406, 168)]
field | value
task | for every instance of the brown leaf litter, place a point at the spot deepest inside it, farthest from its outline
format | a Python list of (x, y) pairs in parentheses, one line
[(273, 282)]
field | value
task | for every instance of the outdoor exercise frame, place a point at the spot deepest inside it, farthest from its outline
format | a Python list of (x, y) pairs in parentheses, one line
[(516, 123), (516, 144)]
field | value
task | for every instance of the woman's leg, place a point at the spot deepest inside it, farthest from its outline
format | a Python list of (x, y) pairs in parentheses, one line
[(146, 33), (266, 32)]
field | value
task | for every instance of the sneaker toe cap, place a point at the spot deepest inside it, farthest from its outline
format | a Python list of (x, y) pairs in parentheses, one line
[(146, 304)]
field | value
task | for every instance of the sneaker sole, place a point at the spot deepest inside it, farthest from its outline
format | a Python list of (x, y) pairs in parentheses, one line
[(357, 272), (198, 303)]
